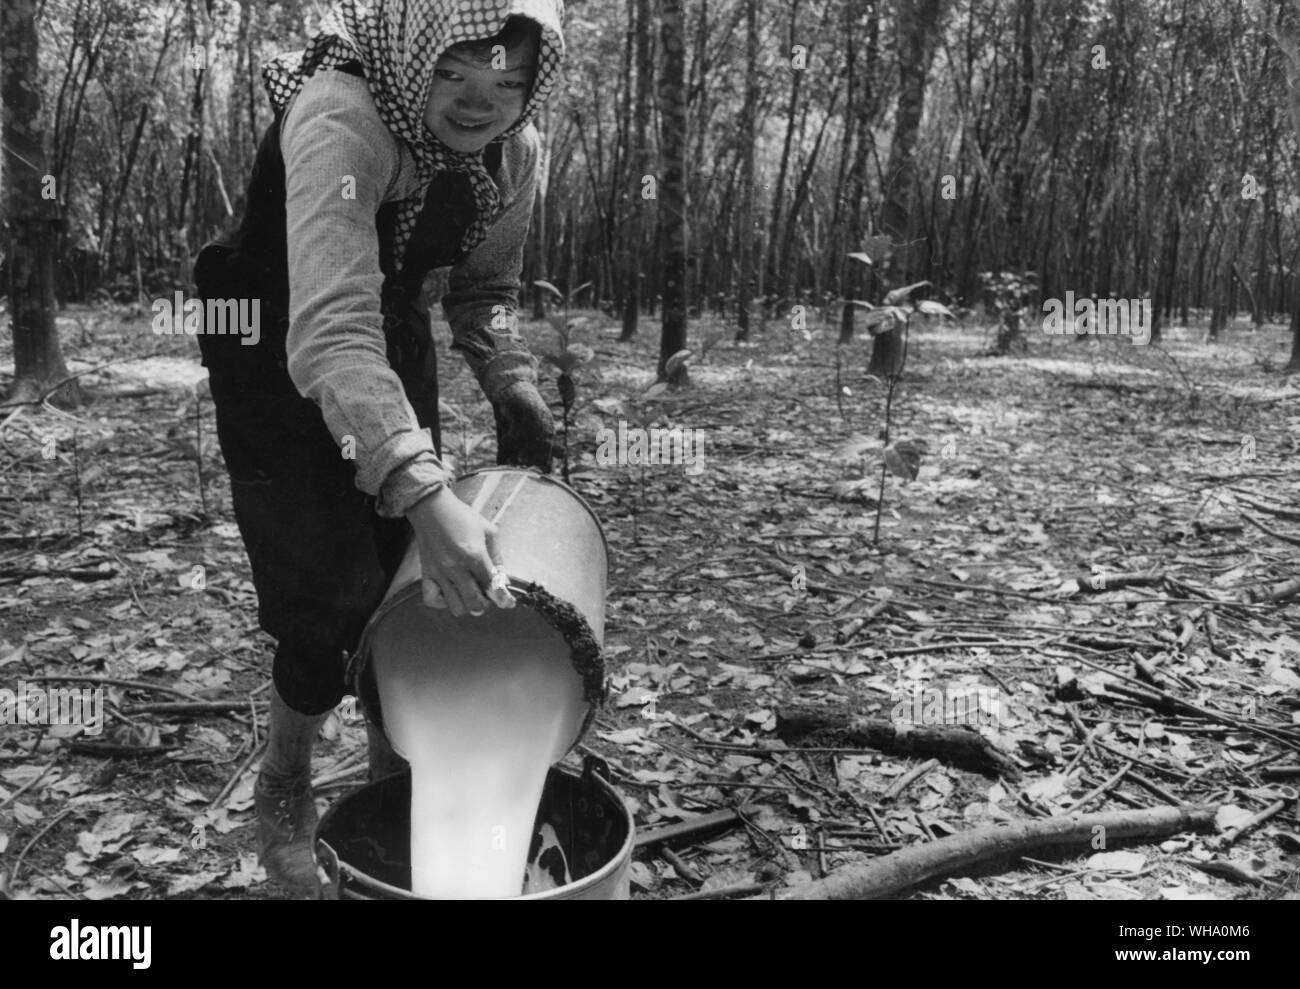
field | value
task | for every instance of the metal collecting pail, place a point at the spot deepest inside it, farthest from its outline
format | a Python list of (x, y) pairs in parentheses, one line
[(361, 841)]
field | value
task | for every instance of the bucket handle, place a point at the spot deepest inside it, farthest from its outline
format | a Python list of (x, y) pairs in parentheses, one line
[(594, 766), (328, 871)]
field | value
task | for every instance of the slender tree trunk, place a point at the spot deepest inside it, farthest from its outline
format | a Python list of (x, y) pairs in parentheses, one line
[(32, 209), (792, 114), (748, 138), (917, 25), (635, 270), (866, 110), (673, 231)]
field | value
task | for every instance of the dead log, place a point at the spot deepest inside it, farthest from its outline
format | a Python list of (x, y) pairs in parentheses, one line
[(901, 870), (954, 746)]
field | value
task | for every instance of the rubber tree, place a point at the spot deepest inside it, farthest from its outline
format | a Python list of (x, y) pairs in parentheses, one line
[(673, 230), (31, 206), (917, 24)]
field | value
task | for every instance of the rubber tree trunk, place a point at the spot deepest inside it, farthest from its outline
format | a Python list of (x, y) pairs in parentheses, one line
[(31, 204), (748, 138), (916, 28), (672, 187), (635, 280), (1293, 366)]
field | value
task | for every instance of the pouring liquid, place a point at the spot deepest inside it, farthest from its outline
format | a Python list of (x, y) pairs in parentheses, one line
[(481, 708)]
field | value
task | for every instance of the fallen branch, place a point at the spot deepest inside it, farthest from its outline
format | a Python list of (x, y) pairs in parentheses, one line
[(1159, 699), (1102, 582), (1217, 528), (723, 892), (901, 870), (907, 779), (231, 783), (1285, 796), (1271, 532), (692, 828), (111, 682), (111, 750), (1284, 591), (952, 746), (15, 574), (187, 707), (18, 863)]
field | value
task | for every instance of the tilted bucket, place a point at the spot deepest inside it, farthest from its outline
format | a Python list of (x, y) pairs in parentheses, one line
[(361, 840), (555, 556)]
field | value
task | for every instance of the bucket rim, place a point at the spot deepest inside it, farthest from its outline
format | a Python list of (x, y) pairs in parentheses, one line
[(595, 687), (369, 884), (359, 657), (536, 474)]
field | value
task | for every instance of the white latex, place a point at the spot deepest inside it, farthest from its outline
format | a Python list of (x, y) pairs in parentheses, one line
[(481, 708)]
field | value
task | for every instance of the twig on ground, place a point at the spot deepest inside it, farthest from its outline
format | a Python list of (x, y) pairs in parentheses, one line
[(907, 779), (18, 862)]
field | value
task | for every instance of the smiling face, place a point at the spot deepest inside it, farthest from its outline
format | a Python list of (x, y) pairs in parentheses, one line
[(476, 97)]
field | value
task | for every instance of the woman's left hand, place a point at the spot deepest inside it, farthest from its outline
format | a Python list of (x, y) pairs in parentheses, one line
[(525, 428)]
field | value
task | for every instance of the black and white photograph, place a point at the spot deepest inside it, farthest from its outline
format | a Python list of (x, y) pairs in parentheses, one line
[(653, 450)]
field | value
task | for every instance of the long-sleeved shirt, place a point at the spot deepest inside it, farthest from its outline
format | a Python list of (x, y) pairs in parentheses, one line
[(341, 165)]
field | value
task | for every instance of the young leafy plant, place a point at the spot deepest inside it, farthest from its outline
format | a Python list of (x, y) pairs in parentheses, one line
[(562, 324), (894, 316), (567, 359)]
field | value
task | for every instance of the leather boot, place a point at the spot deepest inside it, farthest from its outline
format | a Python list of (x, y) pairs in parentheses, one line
[(286, 810)]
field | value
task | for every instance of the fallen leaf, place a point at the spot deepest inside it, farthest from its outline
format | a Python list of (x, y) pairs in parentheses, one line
[(1231, 816), (642, 875), (26, 814), (1048, 788), (1117, 861), (635, 697), (153, 855), (653, 776), (107, 890), (190, 882), (247, 873), (189, 795)]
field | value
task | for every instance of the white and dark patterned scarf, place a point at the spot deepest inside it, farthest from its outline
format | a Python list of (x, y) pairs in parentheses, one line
[(397, 43)]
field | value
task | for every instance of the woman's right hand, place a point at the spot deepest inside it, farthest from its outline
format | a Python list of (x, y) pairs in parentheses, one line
[(458, 556)]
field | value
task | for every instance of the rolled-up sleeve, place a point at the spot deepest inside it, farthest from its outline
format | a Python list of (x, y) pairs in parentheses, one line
[(482, 301), (340, 160)]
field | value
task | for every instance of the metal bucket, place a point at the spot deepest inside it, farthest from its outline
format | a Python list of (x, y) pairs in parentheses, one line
[(362, 840), (555, 556)]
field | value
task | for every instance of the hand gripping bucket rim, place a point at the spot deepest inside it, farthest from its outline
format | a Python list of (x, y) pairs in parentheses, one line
[(563, 616)]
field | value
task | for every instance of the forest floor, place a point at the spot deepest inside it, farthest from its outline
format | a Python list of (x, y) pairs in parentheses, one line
[(1091, 551)]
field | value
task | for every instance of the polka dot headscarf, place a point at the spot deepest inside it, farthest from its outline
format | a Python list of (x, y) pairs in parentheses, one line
[(397, 43)]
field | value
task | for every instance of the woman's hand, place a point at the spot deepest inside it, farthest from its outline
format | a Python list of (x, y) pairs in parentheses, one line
[(458, 556)]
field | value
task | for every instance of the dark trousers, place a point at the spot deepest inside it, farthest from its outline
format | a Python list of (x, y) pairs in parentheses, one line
[(322, 558)]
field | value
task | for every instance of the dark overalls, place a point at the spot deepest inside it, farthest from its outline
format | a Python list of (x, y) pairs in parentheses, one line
[(322, 558)]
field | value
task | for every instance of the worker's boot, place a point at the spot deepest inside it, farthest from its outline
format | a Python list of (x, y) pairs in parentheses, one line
[(286, 811)]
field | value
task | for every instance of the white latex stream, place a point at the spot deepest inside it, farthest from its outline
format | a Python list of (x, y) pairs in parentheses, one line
[(481, 709)]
